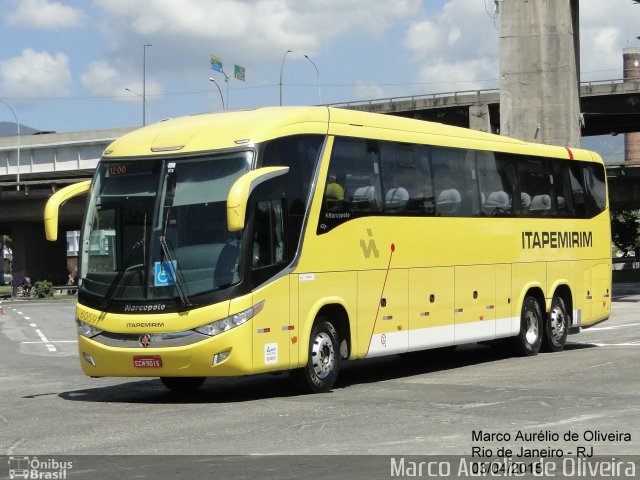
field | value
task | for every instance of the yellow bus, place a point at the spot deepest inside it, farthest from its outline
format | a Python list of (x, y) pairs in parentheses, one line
[(295, 238)]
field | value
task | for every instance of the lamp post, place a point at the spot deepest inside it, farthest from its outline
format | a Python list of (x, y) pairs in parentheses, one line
[(144, 83), (317, 76), (281, 70), (148, 112), (18, 148), (211, 79)]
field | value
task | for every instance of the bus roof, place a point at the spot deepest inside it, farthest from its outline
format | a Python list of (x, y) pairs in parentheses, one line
[(214, 131)]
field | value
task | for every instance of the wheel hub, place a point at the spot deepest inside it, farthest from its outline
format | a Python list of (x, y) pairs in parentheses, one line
[(322, 355)]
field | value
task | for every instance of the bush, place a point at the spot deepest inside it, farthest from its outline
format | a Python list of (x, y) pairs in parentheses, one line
[(44, 289)]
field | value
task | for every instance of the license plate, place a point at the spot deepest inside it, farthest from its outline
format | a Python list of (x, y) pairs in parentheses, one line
[(147, 361)]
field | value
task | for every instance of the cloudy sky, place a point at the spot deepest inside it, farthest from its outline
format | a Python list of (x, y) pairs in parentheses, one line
[(65, 64)]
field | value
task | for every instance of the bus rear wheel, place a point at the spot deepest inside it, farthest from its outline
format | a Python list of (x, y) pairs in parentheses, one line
[(323, 364), (182, 384), (556, 327), (529, 340)]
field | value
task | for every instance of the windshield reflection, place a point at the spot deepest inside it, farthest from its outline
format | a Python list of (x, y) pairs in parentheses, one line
[(157, 229)]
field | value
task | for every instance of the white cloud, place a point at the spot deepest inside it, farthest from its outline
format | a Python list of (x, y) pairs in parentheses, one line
[(104, 79), (44, 15), (36, 74), (257, 31), (456, 49)]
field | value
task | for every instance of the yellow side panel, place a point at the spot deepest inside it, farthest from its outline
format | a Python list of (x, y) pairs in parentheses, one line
[(585, 293), (600, 291), (430, 307), (315, 290), (475, 298), (526, 276), (382, 309), (272, 329), (505, 325)]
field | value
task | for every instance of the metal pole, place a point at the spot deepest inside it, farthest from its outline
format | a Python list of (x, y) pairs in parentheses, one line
[(143, 99), (281, 69), (144, 83), (211, 79), (18, 149), (317, 75)]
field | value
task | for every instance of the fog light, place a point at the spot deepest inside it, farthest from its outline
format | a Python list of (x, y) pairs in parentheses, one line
[(220, 357), (89, 359)]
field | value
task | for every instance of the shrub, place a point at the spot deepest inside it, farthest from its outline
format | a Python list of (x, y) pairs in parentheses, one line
[(44, 289)]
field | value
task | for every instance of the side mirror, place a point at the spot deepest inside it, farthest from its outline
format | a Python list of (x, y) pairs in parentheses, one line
[(240, 191), (55, 202)]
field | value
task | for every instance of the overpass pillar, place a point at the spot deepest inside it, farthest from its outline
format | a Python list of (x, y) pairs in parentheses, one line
[(539, 71), (479, 117), (34, 255), (631, 71)]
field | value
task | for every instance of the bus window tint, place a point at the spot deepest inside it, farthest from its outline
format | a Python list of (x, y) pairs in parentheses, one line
[(595, 181), (406, 179), (563, 189), (353, 187), (496, 177), (454, 180), (534, 184)]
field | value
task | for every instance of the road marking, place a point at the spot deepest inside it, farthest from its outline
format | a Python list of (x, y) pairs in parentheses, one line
[(33, 325), (52, 341), (48, 344), (27, 318), (610, 327)]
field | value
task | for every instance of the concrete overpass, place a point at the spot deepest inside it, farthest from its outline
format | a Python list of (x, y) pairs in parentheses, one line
[(47, 162), (607, 106), (50, 161)]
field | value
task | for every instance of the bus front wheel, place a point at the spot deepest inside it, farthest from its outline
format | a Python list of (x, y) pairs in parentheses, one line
[(323, 364), (556, 327), (182, 384), (529, 340)]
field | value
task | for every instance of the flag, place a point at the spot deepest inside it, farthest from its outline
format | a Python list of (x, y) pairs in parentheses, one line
[(238, 72), (216, 63)]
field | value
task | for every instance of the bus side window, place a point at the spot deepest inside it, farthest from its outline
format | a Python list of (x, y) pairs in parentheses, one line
[(534, 188), (268, 245), (496, 176), (406, 178), (455, 182), (353, 183), (563, 189), (596, 189)]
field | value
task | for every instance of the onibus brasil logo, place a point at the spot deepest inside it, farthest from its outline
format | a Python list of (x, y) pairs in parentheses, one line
[(35, 468)]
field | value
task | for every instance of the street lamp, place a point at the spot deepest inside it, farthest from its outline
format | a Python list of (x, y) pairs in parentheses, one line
[(281, 69), (18, 149), (144, 83), (317, 75), (211, 79), (148, 112)]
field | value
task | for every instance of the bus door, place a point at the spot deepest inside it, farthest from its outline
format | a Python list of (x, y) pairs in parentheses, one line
[(272, 327), (430, 307), (382, 310), (475, 297)]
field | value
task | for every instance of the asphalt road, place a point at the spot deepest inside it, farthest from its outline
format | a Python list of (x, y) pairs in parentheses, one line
[(419, 404)]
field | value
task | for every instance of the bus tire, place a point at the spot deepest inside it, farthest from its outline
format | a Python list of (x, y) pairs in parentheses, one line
[(182, 384), (323, 364), (556, 327), (529, 340)]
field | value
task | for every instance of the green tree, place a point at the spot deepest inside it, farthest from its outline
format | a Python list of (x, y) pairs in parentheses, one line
[(624, 230)]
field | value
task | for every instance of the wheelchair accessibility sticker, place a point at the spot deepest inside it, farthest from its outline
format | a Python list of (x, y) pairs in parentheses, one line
[(164, 273)]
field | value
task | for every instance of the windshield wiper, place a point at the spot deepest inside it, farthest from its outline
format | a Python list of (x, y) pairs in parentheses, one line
[(108, 298), (171, 262)]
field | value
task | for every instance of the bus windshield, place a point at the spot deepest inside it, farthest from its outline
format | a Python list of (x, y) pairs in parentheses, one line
[(156, 229)]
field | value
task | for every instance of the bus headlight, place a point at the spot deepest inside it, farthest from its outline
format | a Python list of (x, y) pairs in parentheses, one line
[(87, 330), (219, 326)]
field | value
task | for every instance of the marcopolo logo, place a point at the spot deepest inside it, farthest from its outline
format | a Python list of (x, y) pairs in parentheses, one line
[(38, 468)]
